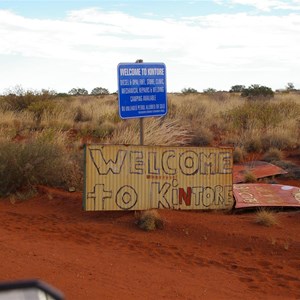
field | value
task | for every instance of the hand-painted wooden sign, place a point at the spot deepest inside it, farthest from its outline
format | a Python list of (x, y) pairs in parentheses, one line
[(145, 177)]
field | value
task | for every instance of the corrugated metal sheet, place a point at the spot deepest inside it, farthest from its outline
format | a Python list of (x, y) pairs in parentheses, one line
[(259, 169), (144, 177), (253, 195)]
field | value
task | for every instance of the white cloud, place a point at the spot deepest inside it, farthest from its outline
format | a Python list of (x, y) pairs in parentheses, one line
[(209, 50)]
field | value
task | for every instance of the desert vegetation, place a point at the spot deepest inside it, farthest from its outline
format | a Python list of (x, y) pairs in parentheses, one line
[(42, 133), (149, 220), (266, 217)]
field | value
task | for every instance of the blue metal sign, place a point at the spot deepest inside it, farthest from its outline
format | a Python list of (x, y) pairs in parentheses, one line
[(142, 90)]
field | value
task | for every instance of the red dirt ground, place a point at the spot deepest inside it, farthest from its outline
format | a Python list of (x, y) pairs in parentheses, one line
[(198, 255)]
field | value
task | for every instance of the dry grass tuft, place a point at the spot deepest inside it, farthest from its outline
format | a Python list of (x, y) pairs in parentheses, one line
[(238, 155), (157, 131), (266, 218), (249, 177), (273, 154), (150, 220), (202, 136)]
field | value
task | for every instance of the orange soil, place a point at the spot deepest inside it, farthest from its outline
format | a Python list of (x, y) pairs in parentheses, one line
[(97, 255)]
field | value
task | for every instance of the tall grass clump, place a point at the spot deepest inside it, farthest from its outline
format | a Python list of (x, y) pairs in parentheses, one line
[(157, 131), (272, 155), (238, 155), (202, 136), (278, 139), (41, 160), (249, 177)]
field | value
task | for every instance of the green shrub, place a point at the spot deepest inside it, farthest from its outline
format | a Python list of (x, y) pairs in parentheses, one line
[(188, 91), (256, 91), (38, 161), (237, 88), (99, 91), (19, 99), (209, 91), (78, 92)]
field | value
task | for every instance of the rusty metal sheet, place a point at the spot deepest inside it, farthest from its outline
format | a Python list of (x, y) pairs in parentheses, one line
[(259, 194), (144, 177), (259, 169)]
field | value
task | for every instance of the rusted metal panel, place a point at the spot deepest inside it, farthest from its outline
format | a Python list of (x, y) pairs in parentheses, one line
[(259, 169), (252, 195), (144, 177)]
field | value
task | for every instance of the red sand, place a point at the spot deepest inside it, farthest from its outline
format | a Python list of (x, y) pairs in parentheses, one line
[(97, 255)]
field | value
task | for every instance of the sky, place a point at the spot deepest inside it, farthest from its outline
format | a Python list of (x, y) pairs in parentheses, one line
[(60, 45)]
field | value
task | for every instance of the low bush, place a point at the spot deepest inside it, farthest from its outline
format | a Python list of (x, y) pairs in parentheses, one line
[(238, 155), (253, 144), (104, 130), (38, 161), (266, 218), (150, 220), (202, 136), (81, 115), (273, 154), (276, 140), (19, 99), (188, 91), (39, 107), (257, 91), (293, 170)]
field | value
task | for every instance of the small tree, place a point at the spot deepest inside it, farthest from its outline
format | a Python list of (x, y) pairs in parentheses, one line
[(257, 91), (290, 87), (209, 91), (78, 91), (237, 88), (188, 91), (99, 91)]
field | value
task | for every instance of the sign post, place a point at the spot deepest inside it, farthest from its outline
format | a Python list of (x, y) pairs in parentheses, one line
[(138, 61)]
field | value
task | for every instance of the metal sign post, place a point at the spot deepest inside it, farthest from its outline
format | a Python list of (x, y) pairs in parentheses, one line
[(141, 131), (139, 61)]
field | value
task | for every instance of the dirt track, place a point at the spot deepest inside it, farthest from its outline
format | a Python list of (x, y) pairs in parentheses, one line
[(93, 255)]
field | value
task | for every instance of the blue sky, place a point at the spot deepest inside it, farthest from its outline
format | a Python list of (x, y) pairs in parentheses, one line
[(204, 44)]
